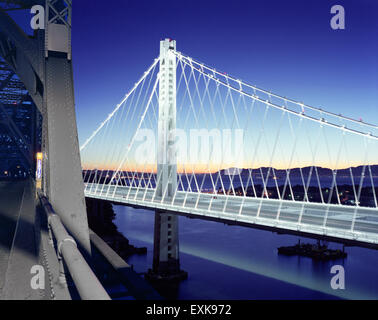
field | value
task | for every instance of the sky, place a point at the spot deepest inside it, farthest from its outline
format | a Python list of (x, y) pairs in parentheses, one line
[(287, 47)]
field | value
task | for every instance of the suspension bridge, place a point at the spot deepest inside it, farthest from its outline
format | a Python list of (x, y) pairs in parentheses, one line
[(288, 168), (186, 139)]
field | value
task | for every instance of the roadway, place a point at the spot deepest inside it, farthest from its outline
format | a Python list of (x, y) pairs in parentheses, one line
[(18, 249), (10, 202), (321, 219), (23, 244)]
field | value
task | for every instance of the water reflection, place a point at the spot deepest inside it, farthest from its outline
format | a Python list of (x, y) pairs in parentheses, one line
[(230, 262)]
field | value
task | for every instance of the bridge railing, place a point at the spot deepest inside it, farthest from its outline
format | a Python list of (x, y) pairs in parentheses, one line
[(86, 282)]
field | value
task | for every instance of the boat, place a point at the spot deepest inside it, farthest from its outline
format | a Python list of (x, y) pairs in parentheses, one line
[(314, 251)]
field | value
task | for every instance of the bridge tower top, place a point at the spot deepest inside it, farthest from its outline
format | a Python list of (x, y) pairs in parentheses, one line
[(166, 157), (167, 44)]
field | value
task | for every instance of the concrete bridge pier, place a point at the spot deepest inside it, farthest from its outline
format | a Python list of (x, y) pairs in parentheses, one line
[(166, 261), (166, 244)]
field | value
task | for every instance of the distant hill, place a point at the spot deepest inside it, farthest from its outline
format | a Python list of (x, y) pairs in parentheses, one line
[(356, 171)]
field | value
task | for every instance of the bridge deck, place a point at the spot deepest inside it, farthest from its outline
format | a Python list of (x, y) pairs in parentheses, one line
[(343, 222), (18, 248), (10, 202)]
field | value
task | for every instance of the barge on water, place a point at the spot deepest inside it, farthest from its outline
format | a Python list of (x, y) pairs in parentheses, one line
[(314, 251)]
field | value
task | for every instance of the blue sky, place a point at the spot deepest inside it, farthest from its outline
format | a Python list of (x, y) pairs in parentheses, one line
[(287, 47)]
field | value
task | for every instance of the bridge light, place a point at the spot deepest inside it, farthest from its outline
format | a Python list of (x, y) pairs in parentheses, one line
[(38, 173)]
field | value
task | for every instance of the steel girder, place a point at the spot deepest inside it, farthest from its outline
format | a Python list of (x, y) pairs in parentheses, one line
[(48, 77)]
